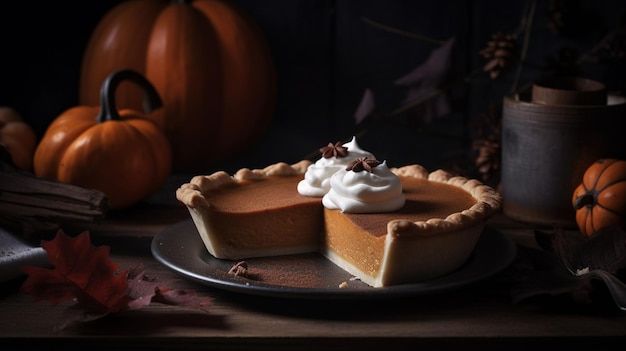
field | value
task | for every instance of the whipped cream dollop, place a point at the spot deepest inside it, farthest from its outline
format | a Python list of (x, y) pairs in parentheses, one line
[(316, 182), (363, 191)]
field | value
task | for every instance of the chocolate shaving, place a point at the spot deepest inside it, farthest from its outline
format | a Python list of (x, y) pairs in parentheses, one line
[(336, 150), (361, 164)]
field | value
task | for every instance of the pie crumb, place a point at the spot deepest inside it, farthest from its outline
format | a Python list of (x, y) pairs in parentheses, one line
[(240, 269)]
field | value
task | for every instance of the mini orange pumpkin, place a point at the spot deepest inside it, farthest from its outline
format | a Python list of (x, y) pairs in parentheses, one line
[(600, 200), (18, 138), (210, 63), (121, 153)]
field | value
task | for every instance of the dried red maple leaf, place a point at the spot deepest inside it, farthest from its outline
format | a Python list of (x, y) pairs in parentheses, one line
[(80, 272), (85, 273), (144, 289)]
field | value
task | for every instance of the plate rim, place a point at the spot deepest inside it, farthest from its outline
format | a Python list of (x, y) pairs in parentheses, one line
[(500, 253)]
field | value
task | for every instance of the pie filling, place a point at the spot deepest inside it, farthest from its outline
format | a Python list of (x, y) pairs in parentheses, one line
[(261, 213)]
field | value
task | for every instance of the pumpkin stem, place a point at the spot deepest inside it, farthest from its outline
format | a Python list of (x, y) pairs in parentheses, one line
[(584, 200), (108, 110)]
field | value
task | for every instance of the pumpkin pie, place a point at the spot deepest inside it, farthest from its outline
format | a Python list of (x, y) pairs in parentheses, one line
[(427, 226)]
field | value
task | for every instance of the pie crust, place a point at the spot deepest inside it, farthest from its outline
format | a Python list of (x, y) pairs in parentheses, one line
[(409, 250)]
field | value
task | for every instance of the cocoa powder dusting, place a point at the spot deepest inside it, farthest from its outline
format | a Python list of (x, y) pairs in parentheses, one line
[(293, 271)]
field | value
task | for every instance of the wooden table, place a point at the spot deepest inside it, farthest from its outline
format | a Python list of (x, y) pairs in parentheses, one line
[(480, 316)]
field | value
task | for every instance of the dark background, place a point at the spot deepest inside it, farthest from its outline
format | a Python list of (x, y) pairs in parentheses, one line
[(326, 56)]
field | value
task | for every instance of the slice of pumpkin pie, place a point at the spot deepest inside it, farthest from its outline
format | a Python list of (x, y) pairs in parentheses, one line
[(384, 225)]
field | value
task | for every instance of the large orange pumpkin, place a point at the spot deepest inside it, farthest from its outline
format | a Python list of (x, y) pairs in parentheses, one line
[(210, 63), (121, 153), (600, 200), (18, 138)]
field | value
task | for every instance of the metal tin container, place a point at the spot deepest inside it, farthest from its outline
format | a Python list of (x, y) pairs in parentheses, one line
[(548, 144)]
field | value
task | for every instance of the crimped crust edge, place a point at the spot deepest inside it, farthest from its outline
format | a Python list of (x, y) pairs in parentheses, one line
[(488, 202)]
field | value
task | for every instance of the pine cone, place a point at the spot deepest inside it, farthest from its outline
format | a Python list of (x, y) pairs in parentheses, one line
[(500, 53), (488, 159)]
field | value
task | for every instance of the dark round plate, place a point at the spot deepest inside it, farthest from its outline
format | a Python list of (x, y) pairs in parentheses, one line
[(312, 276)]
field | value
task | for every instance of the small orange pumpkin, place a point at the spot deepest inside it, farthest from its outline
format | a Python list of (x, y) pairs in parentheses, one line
[(600, 200), (18, 138), (210, 63), (121, 153)]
